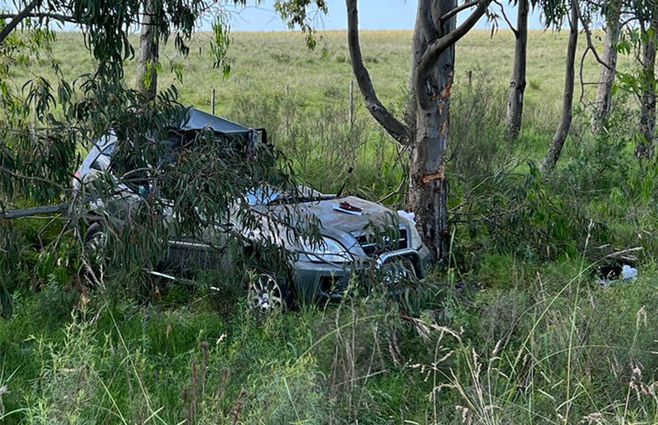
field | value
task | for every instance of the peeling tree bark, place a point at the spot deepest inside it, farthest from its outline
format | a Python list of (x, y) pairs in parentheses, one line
[(603, 103), (517, 84), (648, 97), (149, 55), (567, 104)]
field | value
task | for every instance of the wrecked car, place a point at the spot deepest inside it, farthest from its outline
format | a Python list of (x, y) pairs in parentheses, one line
[(350, 243)]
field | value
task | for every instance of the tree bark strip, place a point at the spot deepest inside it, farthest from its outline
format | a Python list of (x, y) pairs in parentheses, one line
[(567, 104), (514, 117)]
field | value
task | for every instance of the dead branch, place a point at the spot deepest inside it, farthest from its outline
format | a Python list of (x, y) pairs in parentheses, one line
[(509, 23), (30, 212)]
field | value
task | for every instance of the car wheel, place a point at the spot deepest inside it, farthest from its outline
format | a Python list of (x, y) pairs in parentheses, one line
[(267, 294), (95, 261), (399, 274)]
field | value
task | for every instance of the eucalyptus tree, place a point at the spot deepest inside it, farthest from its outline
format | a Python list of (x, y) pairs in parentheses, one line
[(149, 51), (611, 11), (637, 36), (52, 118), (514, 116), (425, 131), (432, 74), (647, 61), (638, 32), (569, 80)]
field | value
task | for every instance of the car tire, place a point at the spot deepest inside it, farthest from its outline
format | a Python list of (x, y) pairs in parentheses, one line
[(259, 272), (268, 293)]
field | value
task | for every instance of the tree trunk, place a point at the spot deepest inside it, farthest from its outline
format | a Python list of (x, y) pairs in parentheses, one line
[(603, 103), (428, 192), (518, 82), (648, 97), (147, 73), (432, 72), (565, 121)]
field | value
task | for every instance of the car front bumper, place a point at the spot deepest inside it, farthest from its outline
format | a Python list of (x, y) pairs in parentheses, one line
[(314, 281)]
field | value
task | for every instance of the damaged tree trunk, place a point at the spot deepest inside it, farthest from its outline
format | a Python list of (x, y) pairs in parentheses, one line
[(603, 103), (147, 72), (517, 84), (432, 73), (428, 191), (567, 104), (648, 97)]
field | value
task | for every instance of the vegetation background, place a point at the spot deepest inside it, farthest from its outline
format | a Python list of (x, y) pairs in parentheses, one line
[(517, 330)]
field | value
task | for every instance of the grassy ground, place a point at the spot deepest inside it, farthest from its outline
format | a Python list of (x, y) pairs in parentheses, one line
[(303, 97), (517, 331)]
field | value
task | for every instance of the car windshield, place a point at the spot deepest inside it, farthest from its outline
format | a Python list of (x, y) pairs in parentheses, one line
[(266, 195), (262, 196), (101, 153)]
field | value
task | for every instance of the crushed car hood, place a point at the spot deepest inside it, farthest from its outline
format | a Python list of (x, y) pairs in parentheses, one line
[(333, 219)]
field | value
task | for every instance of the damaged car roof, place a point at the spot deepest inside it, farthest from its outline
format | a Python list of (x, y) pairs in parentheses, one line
[(197, 120)]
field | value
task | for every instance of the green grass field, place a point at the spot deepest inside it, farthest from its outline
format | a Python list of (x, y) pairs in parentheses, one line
[(518, 330), (277, 83)]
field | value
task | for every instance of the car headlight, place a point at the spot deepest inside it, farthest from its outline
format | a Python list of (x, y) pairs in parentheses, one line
[(328, 250), (415, 241)]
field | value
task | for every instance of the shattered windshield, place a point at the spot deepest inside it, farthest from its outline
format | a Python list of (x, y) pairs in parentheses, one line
[(266, 195)]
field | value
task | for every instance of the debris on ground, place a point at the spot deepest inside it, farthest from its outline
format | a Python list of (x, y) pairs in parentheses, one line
[(628, 272), (609, 275)]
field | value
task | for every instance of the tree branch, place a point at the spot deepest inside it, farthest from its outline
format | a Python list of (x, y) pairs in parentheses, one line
[(11, 26), (509, 23), (449, 14), (392, 125), (30, 212), (42, 15), (590, 45), (582, 78), (436, 47)]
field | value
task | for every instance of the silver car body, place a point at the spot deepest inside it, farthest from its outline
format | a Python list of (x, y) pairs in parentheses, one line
[(315, 274)]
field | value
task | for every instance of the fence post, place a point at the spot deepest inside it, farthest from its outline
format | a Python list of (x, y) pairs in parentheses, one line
[(212, 101)]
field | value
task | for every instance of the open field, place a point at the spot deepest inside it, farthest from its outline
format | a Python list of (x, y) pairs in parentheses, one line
[(517, 330), (275, 62), (303, 97)]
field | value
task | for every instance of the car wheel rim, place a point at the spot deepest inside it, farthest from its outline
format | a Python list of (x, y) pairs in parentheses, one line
[(398, 273), (265, 294)]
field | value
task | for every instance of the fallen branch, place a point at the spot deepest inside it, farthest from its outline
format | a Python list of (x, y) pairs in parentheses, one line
[(29, 212)]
